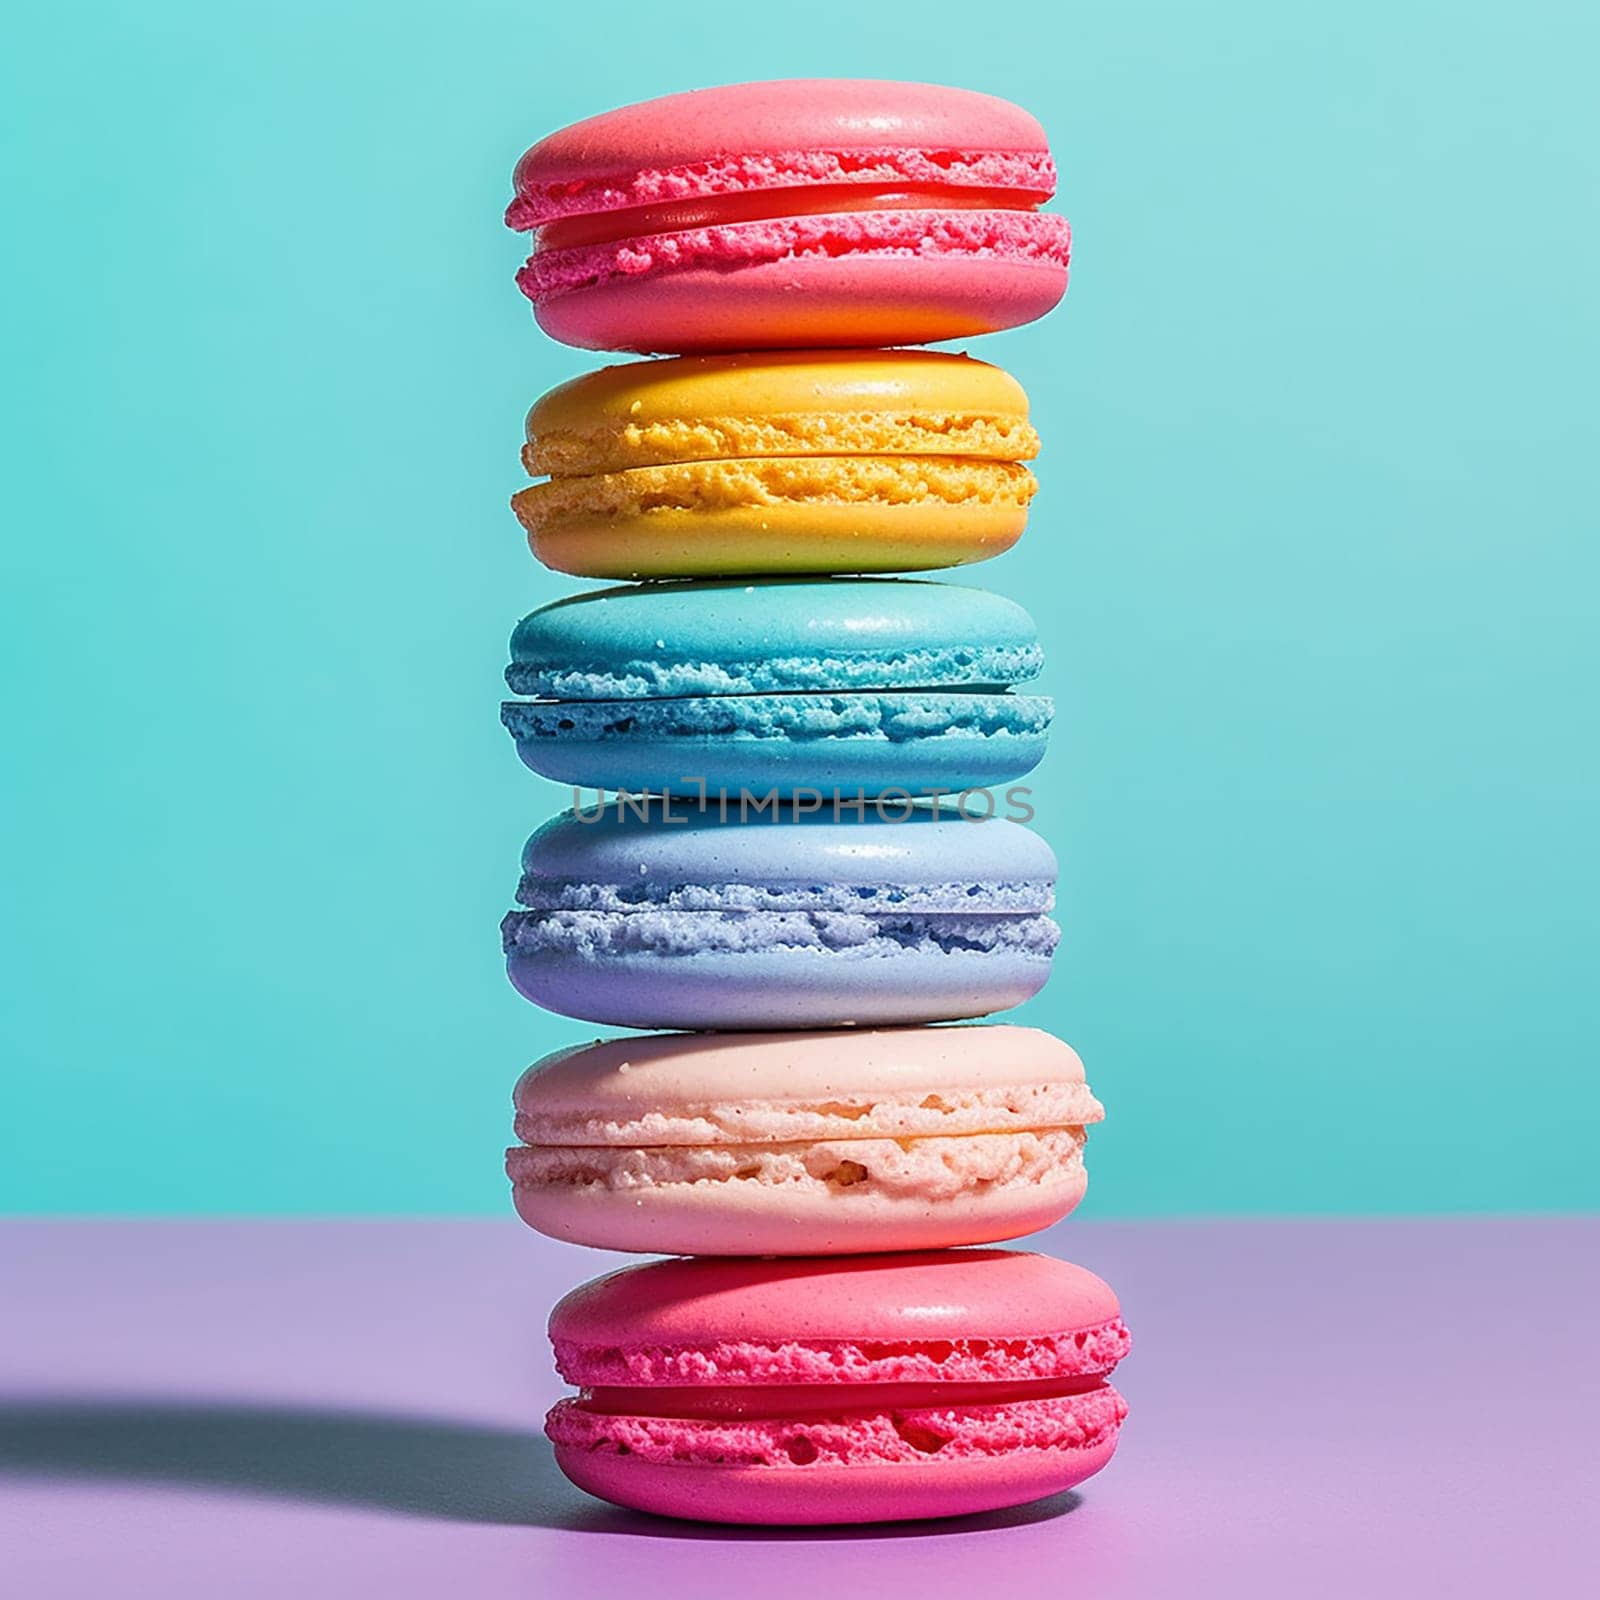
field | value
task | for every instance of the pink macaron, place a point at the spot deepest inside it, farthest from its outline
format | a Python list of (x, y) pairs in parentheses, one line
[(810, 212), (860, 1389), (820, 1143)]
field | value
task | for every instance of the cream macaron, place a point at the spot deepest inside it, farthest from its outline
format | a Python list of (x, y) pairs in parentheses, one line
[(816, 1143)]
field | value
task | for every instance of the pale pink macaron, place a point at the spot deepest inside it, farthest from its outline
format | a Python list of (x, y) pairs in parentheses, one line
[(810, 212), (861, 1389), (814, 1143)]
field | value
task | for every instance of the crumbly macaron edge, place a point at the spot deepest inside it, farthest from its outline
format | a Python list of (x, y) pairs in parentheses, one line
[(849, 1113), (894, 718), (564, 194), (770, 483), (906, 1436), (937, 1169), (1039, 238), (580, 452), (1089, 1351), (978, 666)]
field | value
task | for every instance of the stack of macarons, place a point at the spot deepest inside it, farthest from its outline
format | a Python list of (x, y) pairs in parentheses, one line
[(804, 867)]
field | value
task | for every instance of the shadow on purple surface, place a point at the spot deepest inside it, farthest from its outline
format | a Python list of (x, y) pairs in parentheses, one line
[(412, 1466)]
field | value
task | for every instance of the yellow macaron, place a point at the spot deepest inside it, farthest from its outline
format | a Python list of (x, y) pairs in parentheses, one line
[(778, 462)]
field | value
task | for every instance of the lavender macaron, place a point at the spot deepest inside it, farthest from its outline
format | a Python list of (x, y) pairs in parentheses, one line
[(666, 916)]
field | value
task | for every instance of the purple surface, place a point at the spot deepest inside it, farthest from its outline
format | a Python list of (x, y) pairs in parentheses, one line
[(319, 1409)]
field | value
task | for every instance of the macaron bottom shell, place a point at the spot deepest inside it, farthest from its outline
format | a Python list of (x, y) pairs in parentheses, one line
[(950, 1461), (803, 536), (913, 741), (842, 1210), (697, 970), (871, 295)]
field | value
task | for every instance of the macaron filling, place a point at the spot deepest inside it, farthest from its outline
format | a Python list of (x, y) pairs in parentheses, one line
[(716, 211), (744, 1401)]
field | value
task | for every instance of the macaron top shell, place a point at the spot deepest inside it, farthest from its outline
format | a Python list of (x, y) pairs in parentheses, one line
[(779, 403), (933, 1314), (716, 638), (627, 859), (759, 136), (731, 1088)]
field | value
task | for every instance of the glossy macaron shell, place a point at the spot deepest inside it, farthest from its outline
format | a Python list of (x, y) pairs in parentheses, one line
[(968, 1315), (802, 1143), (814, 461), (816, 684), (709, 639), (850, 1389), (780, 918), (790, 214)]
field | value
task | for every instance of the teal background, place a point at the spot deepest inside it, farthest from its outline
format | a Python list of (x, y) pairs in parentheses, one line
[(1315, 562)]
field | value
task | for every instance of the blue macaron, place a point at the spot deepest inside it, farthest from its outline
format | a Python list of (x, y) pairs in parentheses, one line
[(805, 685), (669, 915)]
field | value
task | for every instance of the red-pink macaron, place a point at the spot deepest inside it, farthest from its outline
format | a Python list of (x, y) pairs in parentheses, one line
[(857, 1389), (808, 212)]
